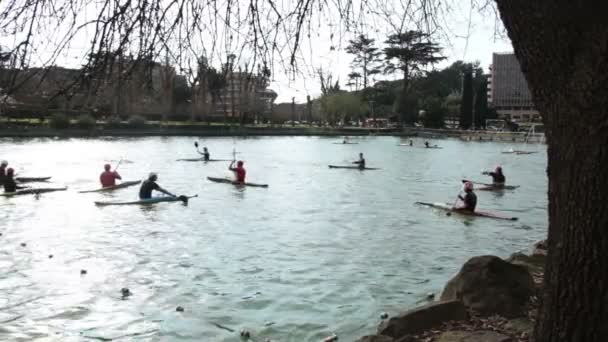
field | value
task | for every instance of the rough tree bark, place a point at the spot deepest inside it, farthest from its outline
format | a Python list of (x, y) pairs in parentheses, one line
[(562, 47)]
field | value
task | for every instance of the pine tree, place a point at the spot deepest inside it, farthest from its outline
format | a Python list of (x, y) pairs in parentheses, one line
[(409, 52), (367, 57)]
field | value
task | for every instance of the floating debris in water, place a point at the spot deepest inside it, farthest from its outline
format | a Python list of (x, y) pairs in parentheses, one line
[(179, 309), (125, 292), (252, 296), (383, 315), (331, 338), (23, 244), (269, 323), (245, 333), (83, 272)]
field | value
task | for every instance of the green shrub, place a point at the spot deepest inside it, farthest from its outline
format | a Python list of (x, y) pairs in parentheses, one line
[(136, 121), (85, 121), (59, 121), (114, 122)]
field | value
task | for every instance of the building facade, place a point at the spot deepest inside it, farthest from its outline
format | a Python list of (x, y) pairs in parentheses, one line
[(508, 90), (245, 95)]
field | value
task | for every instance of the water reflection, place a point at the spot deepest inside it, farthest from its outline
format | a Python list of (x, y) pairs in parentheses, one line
[(319, 251)]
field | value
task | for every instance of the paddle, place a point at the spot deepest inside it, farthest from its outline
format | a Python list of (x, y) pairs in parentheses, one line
[(486, 184), (185, 199), (118, 164)]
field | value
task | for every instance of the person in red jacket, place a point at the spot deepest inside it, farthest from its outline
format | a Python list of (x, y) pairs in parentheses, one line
[(239, 171), (108, 178)]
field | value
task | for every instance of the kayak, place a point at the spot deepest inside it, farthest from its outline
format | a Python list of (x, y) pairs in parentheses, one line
[(351, 167), (230, 181), (202, 160), (112, 188), (31, 179), (497, 188), (519, 152), (148, 201), (408, 145), (32, 191), (447, 207)]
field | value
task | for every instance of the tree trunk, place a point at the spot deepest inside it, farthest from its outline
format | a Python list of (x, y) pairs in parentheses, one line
[(562, 48)]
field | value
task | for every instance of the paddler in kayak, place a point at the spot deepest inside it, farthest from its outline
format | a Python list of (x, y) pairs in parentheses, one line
[(498, 178), (360, 162), (3, 166), (108, 177), (469, 201), (145, 192), (239, 171), (9, 181), (426, 144), (411, 143), (205, 153)]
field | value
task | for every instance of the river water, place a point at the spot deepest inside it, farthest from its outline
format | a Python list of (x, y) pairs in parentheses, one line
[(320, 251)]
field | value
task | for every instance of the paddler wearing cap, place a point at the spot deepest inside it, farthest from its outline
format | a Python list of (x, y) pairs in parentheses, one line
[(145, 192), (498, 178), (108, 177), (469, 200)]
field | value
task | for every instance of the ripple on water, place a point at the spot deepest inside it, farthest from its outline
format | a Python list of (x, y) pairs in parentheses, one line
[(320, 251)]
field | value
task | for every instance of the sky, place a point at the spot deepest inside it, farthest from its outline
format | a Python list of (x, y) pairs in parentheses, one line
[(464, 34), (471, 43)]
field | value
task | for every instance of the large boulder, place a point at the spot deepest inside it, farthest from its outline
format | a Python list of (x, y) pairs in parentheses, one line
[(472, 336), (423, 318), (489, 285), (535, 263)]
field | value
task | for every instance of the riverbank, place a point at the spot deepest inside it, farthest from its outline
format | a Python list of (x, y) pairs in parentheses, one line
[(489, 300), (194, 130), (40, 131)]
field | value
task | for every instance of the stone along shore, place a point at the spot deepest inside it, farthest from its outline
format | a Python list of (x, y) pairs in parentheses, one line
[(489, 300)]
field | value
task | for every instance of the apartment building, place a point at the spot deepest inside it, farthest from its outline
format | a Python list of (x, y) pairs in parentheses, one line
[(508, 90)]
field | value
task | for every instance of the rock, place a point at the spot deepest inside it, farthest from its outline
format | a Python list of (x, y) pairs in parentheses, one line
[(179, 309), (50, 256), (540, 248), (541, 245), (23, 244), (490, 285), (472, 336), (125, 292), (376, 338), (534, 263), (520, 326), (332, 338), (383, 315), (83, 272), (245, 333), (423, 318)]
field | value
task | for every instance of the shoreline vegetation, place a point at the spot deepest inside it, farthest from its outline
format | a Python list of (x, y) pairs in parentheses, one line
[(28, 129)]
